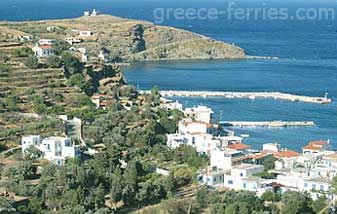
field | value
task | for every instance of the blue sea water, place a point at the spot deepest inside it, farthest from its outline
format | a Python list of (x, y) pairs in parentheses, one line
[(307, 64)]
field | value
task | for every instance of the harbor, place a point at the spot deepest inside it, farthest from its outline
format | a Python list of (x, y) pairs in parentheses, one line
[(268, 124), (246, 95)]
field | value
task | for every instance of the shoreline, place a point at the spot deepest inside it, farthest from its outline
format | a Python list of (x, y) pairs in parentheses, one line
[(245, 95)]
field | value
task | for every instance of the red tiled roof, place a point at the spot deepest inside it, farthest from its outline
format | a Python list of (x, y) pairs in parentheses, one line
[(315, 145), (239, 146), (260, 155), (46, 47), (321, 142), (286, 154)]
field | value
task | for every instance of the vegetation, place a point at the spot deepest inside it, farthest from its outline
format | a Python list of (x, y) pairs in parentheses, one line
[(32, 62)]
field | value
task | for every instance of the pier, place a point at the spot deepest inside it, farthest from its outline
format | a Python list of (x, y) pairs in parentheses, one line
[(246, 95), (268, 124)]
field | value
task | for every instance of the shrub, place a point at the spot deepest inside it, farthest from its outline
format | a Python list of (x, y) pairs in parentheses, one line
[(32, 62)]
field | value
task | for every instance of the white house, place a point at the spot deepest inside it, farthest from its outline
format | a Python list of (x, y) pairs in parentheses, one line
[(73, 40), (104, 54), (199, 113), (54, 149), (25, 38), (315, 147), (171, 105), (84, 57), (241, 177), (52, 28), (225, 159), (28, 141), (272, 147), (84, 33), (45, 42), (188, 126), (43, 50), (211, 177)]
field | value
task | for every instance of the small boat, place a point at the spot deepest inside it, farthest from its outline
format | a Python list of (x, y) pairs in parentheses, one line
[(245, 135)]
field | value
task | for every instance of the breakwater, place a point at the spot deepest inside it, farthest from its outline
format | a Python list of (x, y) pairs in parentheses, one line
[(246, 95), (269, 124)]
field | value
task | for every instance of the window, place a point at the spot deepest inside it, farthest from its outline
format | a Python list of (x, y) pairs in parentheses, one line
[(244, 185), (321, 187), (241, 174), (230, 182), (305, 184), (214, 180), (313, 186), (48, 147)]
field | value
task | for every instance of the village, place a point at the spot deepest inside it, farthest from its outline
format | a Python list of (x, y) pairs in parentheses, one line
[(232, 164), (123, 131)]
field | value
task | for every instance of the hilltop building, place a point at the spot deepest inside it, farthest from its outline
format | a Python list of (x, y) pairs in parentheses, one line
[(93, 13)]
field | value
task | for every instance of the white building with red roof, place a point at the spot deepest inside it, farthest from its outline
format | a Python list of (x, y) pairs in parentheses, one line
[(315, 147), (43, 50)]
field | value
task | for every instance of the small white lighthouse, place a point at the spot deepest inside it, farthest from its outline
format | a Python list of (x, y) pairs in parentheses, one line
[(94, 12)]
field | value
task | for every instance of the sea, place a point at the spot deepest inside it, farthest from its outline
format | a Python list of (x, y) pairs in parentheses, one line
[(307, 64)]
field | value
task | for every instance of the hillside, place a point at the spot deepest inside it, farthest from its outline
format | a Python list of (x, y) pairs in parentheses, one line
[(33, 93), (128, 40)]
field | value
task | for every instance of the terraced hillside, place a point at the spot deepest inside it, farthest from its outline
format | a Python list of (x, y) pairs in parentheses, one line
[(48, 83)]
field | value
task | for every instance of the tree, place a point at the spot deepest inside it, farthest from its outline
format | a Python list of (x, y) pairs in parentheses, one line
[(131, 180), (12, 102), (202, 197), (99, 196), (32, 62), (32, 153), (116, 187), (79, 81), (269, 163), (60, 46), (232, 209), (5, 205), (270, 196), (295, 202), (54, 62), (71, 64), (319, 204), (26, 170), (5, 68), (4, 58), (334, 185), (35, 205)]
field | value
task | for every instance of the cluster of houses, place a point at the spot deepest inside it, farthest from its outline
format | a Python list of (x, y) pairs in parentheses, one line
[(234, 165), (44, 47), (54, 149)]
